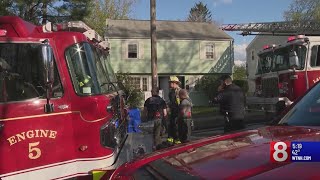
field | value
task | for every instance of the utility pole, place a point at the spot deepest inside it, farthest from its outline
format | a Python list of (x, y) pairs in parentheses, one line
[(153, 44)]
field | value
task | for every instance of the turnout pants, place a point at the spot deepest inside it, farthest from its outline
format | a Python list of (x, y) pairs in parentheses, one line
[(157, 129), (172, 127), (184, 129)]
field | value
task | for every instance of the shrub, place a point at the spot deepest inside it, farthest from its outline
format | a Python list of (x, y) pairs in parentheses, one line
[(208, 84), (134, 97)]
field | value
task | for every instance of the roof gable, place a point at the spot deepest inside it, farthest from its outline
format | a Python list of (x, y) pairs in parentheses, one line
[(133, 29)]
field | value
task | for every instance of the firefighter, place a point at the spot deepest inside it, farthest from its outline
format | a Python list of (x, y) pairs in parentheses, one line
[(155, 109), (184, 118), (174, 110), (85, 84), (232, 104)]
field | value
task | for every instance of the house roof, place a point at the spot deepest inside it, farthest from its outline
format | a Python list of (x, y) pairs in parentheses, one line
[(258, 37), (134, 29)]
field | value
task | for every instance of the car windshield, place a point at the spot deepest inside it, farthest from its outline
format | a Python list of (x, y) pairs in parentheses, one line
[(306, 112), (278, 59), (88, 72)]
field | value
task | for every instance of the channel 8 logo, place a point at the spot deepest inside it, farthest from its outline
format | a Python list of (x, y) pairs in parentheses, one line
[(280, 151)]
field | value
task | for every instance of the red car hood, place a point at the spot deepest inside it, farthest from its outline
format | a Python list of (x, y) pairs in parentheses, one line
[(244, 155)]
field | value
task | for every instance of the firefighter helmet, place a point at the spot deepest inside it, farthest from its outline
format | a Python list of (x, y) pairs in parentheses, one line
[(174, 79)]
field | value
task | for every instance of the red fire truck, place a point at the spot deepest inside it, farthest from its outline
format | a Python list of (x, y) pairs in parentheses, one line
[(61, 112), (287, 70)]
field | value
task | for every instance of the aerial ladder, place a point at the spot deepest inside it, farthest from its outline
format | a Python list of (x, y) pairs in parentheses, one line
[(281, 28)]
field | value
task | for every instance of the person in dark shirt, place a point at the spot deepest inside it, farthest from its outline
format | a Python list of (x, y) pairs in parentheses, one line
[(155, 109), (232, 104)]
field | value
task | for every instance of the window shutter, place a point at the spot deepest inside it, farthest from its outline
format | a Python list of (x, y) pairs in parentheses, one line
[(202, 50), (141, 50), (124, 49)]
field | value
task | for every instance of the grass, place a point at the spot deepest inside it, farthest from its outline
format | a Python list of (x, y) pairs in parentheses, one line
[(203, 110)]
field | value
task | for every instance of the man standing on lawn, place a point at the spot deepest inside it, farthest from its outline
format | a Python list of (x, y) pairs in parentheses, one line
[(232, 104)]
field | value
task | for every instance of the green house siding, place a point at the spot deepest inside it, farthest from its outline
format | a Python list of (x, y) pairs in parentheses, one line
[(174, 57)]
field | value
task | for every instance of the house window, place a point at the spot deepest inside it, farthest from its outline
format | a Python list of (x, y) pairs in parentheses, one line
[(135, 82), (133, 51), (139, 83), (144, 84), (209, 51), (252, 55)]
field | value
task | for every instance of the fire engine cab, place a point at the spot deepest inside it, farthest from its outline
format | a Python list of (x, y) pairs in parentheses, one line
[(61, 112), (285, 71)]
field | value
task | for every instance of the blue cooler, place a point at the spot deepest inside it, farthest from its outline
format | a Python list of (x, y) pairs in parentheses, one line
[(134, 120)]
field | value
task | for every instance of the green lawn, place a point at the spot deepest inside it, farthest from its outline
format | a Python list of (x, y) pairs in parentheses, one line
[(202, 110)]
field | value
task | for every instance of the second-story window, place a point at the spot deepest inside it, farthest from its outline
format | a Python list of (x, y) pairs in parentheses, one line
[(133, 51), (209, 51)]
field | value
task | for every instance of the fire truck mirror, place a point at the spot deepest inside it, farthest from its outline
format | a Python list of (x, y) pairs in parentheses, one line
[(48, 64), (48, 74), (293, 59)]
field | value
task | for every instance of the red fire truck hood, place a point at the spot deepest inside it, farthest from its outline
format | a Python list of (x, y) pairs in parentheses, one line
[(233, 156)]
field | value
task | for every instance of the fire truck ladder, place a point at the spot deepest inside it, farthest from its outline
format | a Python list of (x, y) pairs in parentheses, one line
[(283, 28)]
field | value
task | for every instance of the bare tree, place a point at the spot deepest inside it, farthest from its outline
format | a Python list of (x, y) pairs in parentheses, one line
[(108, 9), (303, 10)]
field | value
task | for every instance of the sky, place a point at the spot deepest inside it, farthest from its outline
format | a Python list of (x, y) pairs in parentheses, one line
[(223, 11)]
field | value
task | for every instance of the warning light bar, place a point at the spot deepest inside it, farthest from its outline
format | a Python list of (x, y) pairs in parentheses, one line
[(269, 46), (293, 38), (77, 26), (266, 47)]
